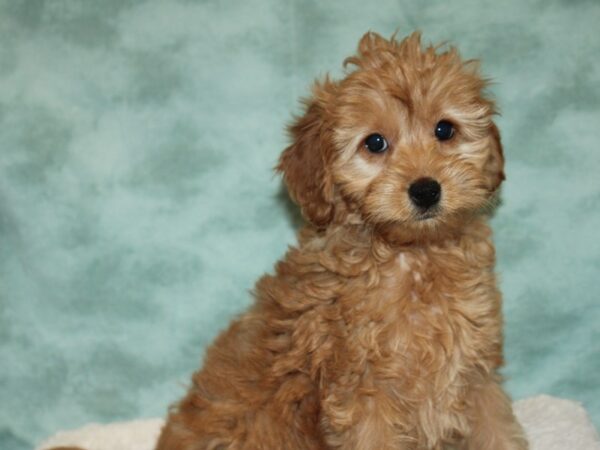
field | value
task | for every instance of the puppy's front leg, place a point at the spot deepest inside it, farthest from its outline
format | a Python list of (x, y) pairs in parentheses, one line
[(493, 424), (352, 420)]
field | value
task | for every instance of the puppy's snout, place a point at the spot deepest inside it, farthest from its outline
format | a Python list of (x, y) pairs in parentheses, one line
[(425, 192)]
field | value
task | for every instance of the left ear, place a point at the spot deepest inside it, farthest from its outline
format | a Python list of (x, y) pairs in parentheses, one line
[(304, 163), (494, 166)]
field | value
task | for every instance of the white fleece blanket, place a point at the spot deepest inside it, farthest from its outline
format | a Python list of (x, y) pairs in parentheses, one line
[(550, 423)]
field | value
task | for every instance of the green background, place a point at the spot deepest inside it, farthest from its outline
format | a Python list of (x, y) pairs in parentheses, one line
[(138, 204)]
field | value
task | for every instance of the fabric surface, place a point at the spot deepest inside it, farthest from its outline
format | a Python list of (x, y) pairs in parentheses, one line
[(138, 205), (554, 423), (550, 424)]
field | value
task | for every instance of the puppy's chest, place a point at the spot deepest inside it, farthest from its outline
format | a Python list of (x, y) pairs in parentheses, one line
[(427, 315)]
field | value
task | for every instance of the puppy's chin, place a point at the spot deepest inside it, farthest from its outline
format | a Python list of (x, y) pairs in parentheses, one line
[(425, 226)]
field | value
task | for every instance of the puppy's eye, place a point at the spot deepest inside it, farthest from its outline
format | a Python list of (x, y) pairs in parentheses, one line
[(444, 130), (376, 143)]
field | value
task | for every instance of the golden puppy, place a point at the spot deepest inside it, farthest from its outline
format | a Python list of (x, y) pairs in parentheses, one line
[(382, 329)]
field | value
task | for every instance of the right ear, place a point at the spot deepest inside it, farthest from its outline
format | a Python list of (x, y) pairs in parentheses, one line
[(304, 163), (495, 164)]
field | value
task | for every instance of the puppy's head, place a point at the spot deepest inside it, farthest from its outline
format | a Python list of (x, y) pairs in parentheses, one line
[(406, 142)]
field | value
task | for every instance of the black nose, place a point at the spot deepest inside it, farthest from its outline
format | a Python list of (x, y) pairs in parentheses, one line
[(425, 192)]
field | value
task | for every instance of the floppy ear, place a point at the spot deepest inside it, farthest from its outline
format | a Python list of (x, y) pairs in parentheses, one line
[(304, 163), (495, 163)]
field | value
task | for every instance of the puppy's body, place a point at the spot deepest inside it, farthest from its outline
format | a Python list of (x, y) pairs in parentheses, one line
[(382, 329)]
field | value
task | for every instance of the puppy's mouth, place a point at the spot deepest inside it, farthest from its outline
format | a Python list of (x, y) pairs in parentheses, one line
[(427, 214)]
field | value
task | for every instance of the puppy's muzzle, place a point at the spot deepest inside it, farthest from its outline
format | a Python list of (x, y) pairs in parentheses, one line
[(425, 193)]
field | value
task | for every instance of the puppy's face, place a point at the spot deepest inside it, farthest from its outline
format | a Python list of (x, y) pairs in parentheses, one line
[(404, 141)]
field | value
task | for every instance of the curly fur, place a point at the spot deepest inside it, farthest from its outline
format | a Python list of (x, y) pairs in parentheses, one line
[(382, 329)]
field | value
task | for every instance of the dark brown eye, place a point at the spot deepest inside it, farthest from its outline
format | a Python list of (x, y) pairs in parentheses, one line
[(376, 143), (444, 130)]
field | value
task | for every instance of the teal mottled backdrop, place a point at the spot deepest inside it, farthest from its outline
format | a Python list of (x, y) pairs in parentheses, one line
[(138, 205)]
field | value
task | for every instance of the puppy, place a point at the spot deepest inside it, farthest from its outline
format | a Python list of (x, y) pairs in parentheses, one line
[(382, 329)]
